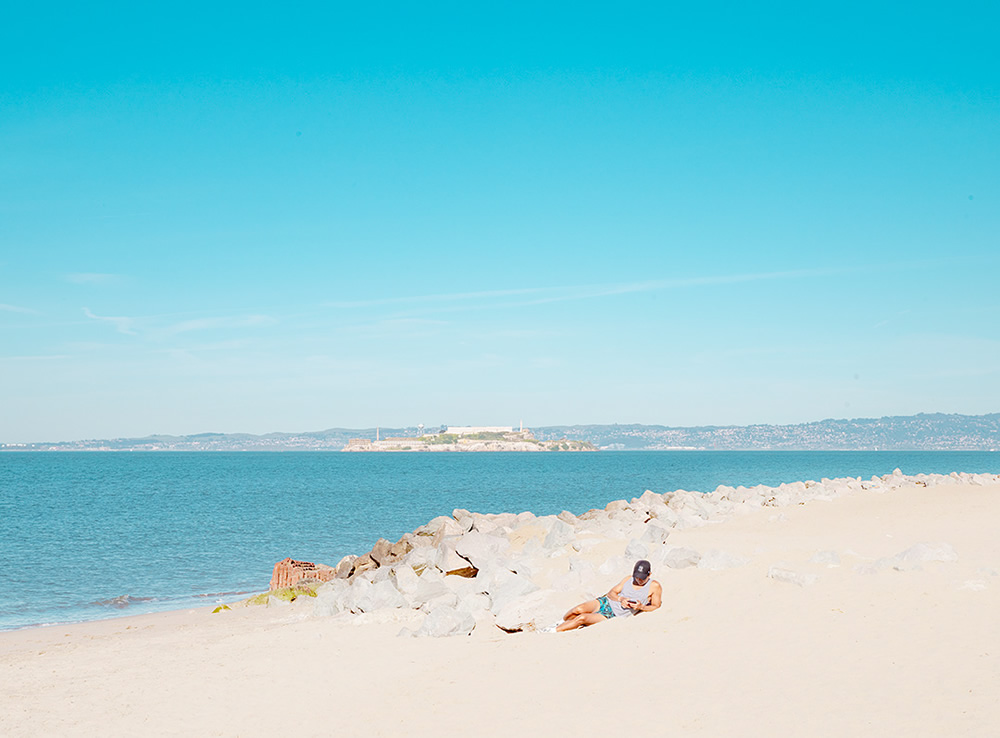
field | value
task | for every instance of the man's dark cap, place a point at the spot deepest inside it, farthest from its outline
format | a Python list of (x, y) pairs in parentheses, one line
[(641, 570)]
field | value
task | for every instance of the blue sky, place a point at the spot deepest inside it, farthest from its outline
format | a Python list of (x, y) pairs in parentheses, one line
[(254, 218)]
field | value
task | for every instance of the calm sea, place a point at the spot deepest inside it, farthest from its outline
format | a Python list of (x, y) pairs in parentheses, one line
[(86, 536)]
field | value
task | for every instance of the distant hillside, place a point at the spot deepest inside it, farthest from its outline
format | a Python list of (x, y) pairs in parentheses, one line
[(923, 432), (332, 439)]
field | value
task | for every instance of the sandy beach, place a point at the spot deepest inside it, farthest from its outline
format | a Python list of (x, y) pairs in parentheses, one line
[(847, 648)]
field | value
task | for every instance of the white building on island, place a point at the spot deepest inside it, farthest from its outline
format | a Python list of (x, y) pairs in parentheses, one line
[(465, 430)]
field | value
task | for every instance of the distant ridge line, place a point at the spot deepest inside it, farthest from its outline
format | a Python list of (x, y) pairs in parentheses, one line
[(921, 432)]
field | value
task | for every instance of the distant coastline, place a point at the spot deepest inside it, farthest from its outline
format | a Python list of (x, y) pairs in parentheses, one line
[(922, 432)]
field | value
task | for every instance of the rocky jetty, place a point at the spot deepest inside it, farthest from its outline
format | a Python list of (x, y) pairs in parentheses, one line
[(519, 572)]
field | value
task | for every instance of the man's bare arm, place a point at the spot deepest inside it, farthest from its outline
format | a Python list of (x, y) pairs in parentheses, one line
[(655, 598), (616, 592)]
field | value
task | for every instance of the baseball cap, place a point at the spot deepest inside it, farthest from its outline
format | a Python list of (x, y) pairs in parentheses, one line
[(641, 570)]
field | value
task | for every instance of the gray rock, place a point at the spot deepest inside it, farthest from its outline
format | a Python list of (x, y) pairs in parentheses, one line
[(450, 562), (524, 565), (830, 558), (559, 535), (464, 519), (665, 515), (567, 517), (615, 566), (718, 560), (441, 525), (379, 596), (445, 621), (655, 533), (327, 603), (401, 547), (782, 574), (473, 603), (680, 557), (571, 581), (504, 520), (636, 550), (345, 566), (873, 567), (420, 558), (380, 551), (922, 553), (357, 591), (480, 549), (484, 524), (521, 612), (617, 506), (445, 599), (627, 516), (405, 579), (430, 585), (507, 586), (361, 565)]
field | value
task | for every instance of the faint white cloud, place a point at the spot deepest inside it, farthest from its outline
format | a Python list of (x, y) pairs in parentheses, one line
[(18, 309), (447, 297), (122, 325), (93, 278), (890, 319), (543, 295), (44, 357), (233, 345), (206, 324)]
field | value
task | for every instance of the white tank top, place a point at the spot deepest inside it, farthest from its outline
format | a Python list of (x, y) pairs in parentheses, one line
[(631, 592)]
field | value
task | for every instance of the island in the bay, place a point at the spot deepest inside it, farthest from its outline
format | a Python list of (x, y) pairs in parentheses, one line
[(469, 438)]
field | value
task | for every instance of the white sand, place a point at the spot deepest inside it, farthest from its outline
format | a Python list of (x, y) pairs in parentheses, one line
[(731, 653)]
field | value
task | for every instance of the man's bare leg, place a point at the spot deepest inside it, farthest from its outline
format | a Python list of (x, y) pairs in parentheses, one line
[(588, 606), (579, 621)]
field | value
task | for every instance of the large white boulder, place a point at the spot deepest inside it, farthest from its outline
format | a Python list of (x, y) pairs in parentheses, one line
[(441, 525), (535, 609), (559, 535), (481, 549), (357, 591), (443, 621), (922, 553), (655, 533), (405, 579), (421, 558), (507, 586), (636, 549), (449, 560), (328, 597), (378, 596)]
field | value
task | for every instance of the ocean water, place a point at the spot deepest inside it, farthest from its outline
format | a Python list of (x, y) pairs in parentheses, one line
[(87, 536)]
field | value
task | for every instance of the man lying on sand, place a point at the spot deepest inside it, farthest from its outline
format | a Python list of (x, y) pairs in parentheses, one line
[(637, 593)]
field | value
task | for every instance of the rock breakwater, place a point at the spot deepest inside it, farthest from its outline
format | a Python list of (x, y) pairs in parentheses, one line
[(517, 572)]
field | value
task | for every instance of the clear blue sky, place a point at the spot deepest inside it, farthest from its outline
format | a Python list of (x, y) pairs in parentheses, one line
[(263, 217)]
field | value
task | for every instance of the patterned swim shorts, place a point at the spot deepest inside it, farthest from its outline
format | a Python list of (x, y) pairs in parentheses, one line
[(604, 607)]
